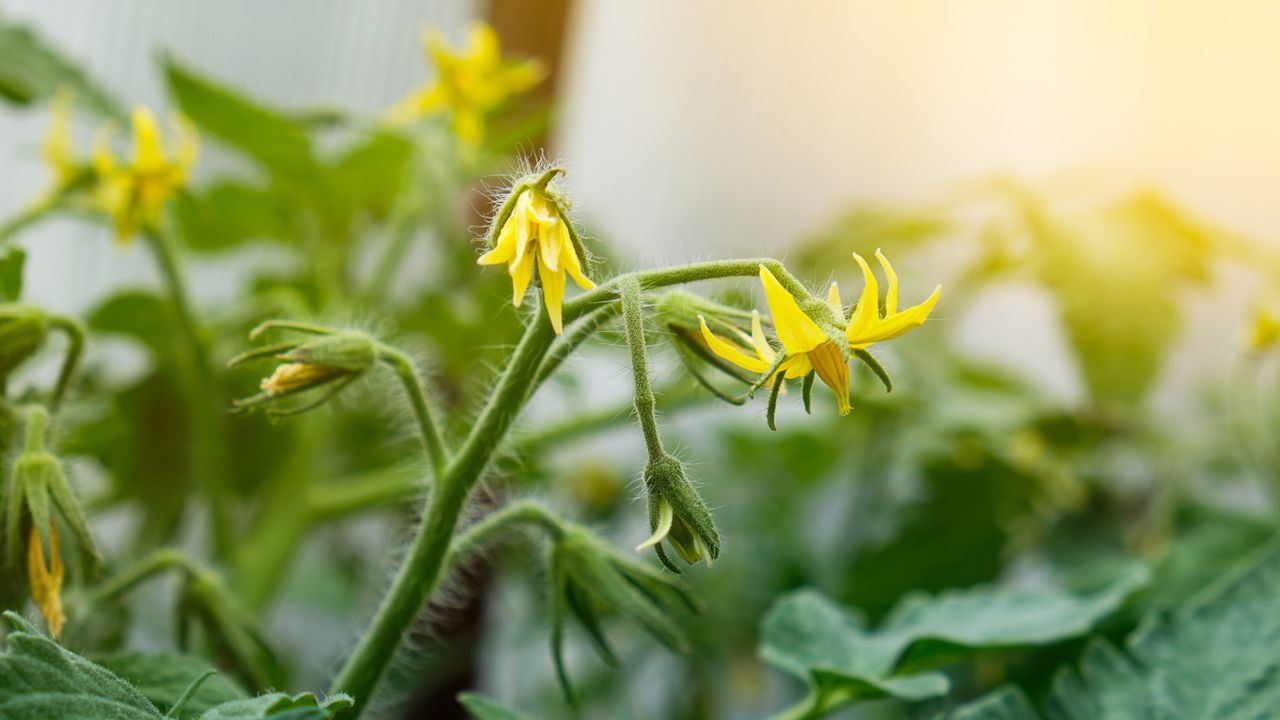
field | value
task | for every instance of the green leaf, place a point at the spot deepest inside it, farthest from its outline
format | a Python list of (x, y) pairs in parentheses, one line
[(264, 134), (1007, 703), (281, 706), (164, 678), (369, 176), (11, 264), (39, 679), (31, 71), (482, 708), (230, 213), (1217, 656), (810, 637), (138, 314)]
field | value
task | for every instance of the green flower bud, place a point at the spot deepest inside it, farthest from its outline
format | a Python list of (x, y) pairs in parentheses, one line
[(332, 359), (23, 330), (678, 515), (589, 578)]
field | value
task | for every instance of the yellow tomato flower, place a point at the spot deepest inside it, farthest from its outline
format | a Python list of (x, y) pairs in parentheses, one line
[(469, 83), (135, 193), (537, 233), (1264, 330), (807, 348), (866, 324), (46, 580)]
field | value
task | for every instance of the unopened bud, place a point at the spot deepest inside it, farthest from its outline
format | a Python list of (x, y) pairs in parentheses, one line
[(23, 330), (332, 360), (678, 515)]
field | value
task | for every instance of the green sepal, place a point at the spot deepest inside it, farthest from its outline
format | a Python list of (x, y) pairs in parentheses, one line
[(665, 479), (350, 351), (806, 393), (870, 361), (773, 401)]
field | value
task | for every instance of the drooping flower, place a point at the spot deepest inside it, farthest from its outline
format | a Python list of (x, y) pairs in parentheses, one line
[(535, 231), (807, 348), (134, 193), (866, 324), (469, 83), (329, 359)]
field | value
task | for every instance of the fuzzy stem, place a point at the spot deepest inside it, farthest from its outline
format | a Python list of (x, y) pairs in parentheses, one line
[(646, 406), (422, 567), (427, 428), (37, 421), (203, 406), (141, 571), (499, 523)]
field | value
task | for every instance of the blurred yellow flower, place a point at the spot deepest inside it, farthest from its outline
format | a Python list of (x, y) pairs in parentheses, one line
[(866, 324), (57, 148), (134, 194), (46, 580), (537, 233), (1264, 330), (807, 348), (469, 83)]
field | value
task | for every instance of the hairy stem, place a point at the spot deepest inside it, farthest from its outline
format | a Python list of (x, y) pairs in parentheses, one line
[(499, 523), (646, 405), (422, 567), (417, 394), (75, 333)]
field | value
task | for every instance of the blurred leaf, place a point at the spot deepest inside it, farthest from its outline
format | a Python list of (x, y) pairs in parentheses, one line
[(1007, 703), (279, 705), (812, 638), (230, 213), (164, 679), (369, 176), (482, 708), (1216, 657), (11, 265), (40, 679), (31, 70), (137, 314), (269, 137), (865, 227)]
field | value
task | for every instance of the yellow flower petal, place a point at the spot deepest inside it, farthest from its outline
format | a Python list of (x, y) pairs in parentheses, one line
[(46, 581), (552, 294), (833, 369), (908, 319), (569, 258), (521, 273), (505, 248), (759, 341), (728, 351), (867, 312), (797, 331), (147, 152), (833, 300), (891, 279)]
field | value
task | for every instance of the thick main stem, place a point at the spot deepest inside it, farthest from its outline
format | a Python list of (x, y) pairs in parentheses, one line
[(203, 406), (421, 569)]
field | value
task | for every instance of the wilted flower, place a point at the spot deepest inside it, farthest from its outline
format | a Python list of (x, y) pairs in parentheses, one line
[(678, 515), (469, 84), (530, 229), (39, 496), (134, 194), (587, 578), (331, 359)]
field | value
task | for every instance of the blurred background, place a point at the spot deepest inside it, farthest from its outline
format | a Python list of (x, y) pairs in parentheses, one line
[(1091, 182)]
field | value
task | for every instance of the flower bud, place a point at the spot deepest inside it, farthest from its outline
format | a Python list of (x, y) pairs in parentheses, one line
[(23, 330), (678, 515), (587, 577), (333, 360)]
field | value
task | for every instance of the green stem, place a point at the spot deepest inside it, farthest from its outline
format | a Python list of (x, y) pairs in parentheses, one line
[(203, 406), (421, 569), (499, 523), (413, 388), (75, 333), (344, 497), (646, 405), (403, 226), (157, 562)]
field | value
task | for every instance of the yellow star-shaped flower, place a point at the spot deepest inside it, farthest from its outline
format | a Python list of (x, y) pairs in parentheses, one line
[(469, 83), (866, 324), (537, 233), (134, 194)]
